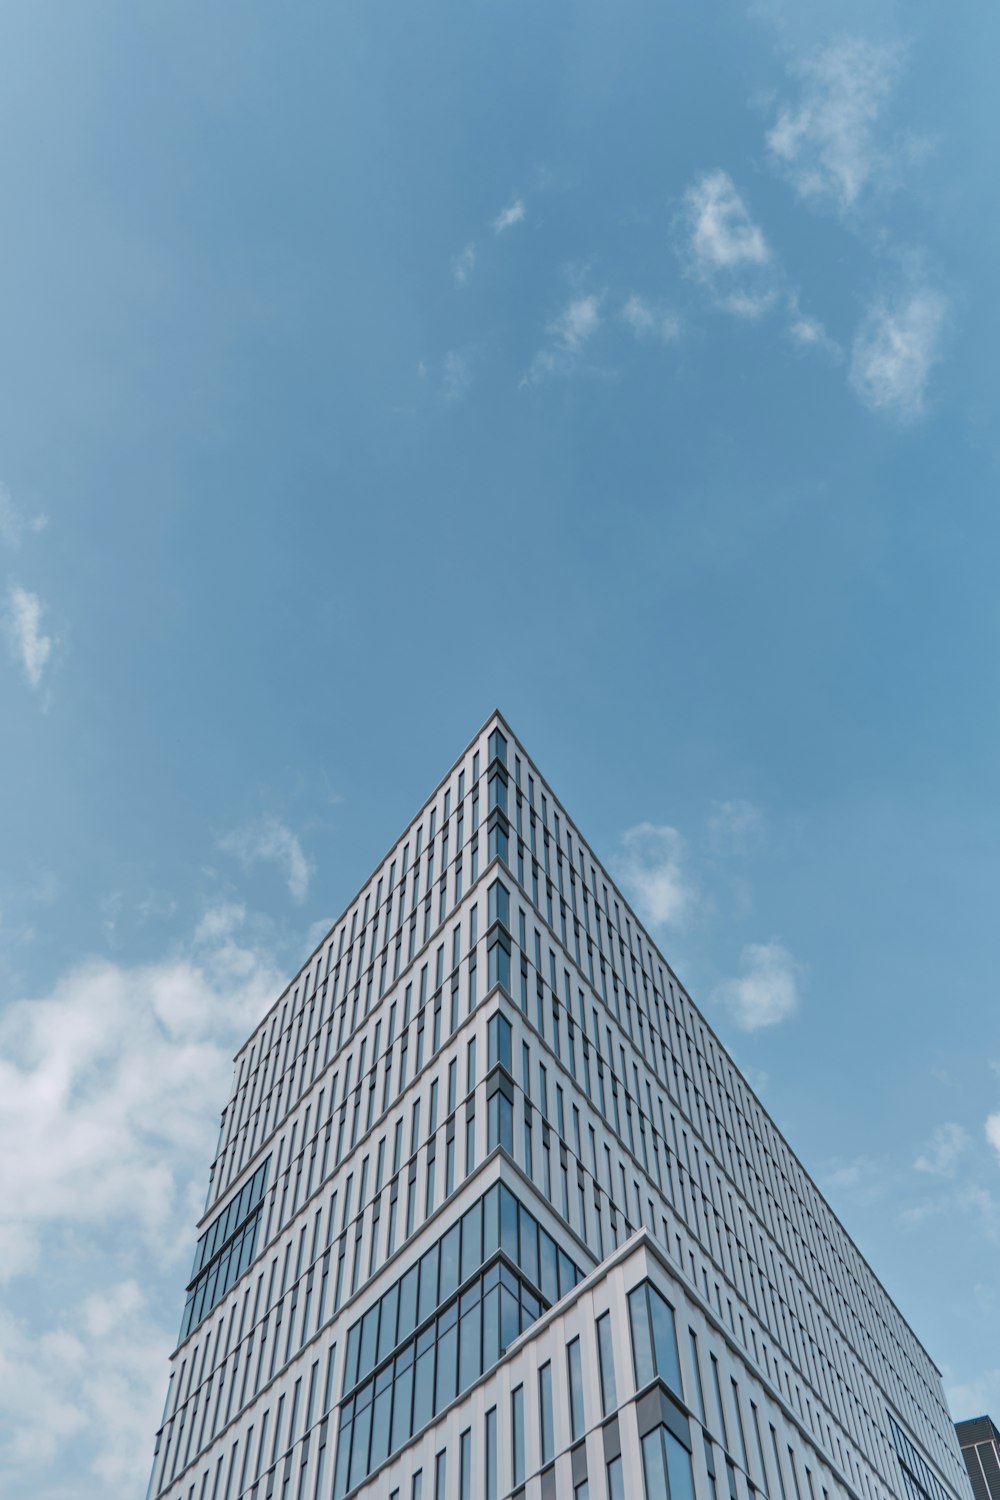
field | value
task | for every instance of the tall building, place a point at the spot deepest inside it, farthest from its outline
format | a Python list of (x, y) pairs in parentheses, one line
[(980, 1444), (493, 1214)]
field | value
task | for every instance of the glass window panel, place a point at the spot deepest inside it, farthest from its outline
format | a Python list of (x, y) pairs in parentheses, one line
[(423, 1385), (401, 1408), (407, 1314), (529, 1247), (491, 1222), (664, 1340), (470, 1365), (381, 1412), (545, 1430), (428, 1284), (606, 1360), (510, 1318), (508, 1223), (642, 1348), (517, 1434), (472, 1241), (369, 1332), (491, 1328), (678, 1468), (359, 1446), (387, 1322), (549, 1282), (574, 1367), (444, 1386), (448, 1282), (654, 1465)]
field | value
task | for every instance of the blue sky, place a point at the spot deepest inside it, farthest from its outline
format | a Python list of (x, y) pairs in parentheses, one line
[(364, 367)]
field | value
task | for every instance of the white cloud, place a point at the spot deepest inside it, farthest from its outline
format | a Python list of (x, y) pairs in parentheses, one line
[(461, 266), (826, 143), (457, 377), (269, 841), (767, 991), (723, 236), (726, 251), (651, 869), (992, 1129), (13, 522), (512, 214), (894, 350), (809, 333), (568, 334), (30, 645), (862, 1178), (110, 1087), (940, 1157), (648, 321)]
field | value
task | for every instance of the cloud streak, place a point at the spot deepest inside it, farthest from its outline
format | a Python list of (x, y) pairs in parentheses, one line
[(31, 646), (568, 335), (825, 144), (513, 214), (269, 841), (894, 351)]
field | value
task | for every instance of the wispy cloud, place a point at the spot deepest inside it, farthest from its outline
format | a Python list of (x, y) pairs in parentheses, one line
[(456, 377), (941, 1155), (652, 869), (30, 645), (767, 991), (826, 143), (14, 524), (992, 1130), (735, 825), (649, 321), (894, 350), (463, 263), (269, 841), (726, 250), (511, 215), (862, 1178), (568, 334)]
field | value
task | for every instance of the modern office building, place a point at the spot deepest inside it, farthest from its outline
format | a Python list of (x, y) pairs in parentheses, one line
[(980, 1444), (494, 1214)]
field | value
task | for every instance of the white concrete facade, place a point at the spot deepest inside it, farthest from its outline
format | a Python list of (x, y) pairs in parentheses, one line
[(484, 1113)]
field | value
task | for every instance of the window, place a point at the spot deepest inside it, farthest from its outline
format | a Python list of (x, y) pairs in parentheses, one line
[(654, 1343), (574, 1368), (517, 1434), (499, 903), (616, 1481), (499, 959), (666, 1465), (499, 1044), (490, 1454), (606, 1361), (545, 1431), (496, 747), (441, 1476), (465, 1465)]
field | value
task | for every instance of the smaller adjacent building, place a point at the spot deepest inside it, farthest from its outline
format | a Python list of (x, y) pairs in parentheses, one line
[(980, 1444)]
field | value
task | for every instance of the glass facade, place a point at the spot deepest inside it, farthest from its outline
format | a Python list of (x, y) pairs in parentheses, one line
[(224, 1251)]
